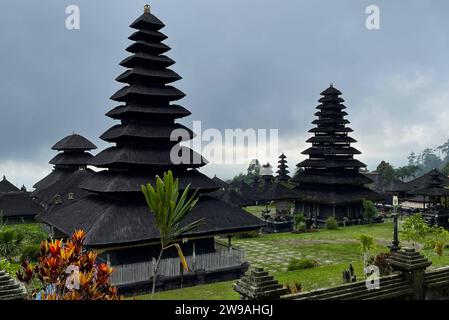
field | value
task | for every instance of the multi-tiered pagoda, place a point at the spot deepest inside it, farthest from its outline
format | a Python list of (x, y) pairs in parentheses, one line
[(283, 169), (331, 184), (116, 217), (69, 169)]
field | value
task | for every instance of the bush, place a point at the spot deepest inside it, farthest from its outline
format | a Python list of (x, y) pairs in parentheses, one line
[(247, 235), (301, 264), (294, 288), (66, 271), (30, 252), (380, 261), (5, 265), (11, 242), (331, 223), (300, 227), (369, 211), (299, 218)]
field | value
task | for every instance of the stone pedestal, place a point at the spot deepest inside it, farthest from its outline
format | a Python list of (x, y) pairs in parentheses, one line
[(257, 284), (413, 265), (10, 288)]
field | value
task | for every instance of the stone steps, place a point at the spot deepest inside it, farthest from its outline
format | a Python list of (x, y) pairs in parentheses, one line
[(10, 288)]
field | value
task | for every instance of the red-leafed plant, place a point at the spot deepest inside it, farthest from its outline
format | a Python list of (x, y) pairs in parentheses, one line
[(67, 272)]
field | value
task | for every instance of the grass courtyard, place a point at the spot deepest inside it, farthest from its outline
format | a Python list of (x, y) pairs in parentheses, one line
[(332, 249)]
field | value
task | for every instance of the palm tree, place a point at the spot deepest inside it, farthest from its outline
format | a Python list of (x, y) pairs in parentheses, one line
[(169, 210), (11, 242)]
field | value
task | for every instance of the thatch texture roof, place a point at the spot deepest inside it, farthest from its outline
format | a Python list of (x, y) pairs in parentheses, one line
[(116, 213), (18, 204), (74, 142), (6, 186), (331, 174), (109, 221)]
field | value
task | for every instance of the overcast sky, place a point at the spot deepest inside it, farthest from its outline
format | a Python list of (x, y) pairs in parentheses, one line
[(245, 64)]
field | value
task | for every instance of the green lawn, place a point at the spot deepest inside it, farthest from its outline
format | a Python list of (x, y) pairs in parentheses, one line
[(257, 210), (332, 249)]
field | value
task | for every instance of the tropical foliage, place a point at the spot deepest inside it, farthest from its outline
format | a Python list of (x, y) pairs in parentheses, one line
[(415, 229), (65, 271), (11, 242), (331, 223), (369, 211), (169, 209)]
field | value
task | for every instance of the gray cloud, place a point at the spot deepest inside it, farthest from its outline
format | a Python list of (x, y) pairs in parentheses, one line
[(247, 64)]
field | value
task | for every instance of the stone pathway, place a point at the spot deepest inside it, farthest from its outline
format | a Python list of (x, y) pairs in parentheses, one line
[(274, 256)]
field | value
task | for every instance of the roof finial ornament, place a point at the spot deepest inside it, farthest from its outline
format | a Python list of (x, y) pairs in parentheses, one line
[(331, 84), (146, 8)]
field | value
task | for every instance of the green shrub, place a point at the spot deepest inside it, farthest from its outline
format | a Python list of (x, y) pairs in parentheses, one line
[(331, 223), (301, 264), (298, 218), (246, 235), (30, 252), (5, 265), (11, 242), (300, 227), (369, 211)]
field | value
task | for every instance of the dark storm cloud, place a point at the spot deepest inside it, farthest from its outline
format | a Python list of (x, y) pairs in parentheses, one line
[(245, 64)]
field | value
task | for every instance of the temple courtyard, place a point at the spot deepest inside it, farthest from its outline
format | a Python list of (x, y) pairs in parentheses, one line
[(333, 250)]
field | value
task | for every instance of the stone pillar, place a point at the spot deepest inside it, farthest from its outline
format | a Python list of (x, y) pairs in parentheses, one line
[(257, 284), (412, 264)]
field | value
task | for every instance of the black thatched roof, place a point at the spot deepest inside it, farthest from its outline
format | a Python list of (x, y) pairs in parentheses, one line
[(74, 142), (109, 222), (333, 177), (109, 181), (245, 191), (67, 159), (74, 153), (425, 179), (331, 174), (391, 186), (340, 195), (6, 186), (116, 213), (435, 185), (232, 198), (51, 178), (65, 184), (276, 192), (283, 169), (18, 204), (219, 182), (132, 110)]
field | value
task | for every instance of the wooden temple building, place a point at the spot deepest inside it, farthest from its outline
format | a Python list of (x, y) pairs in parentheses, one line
[(275, 191), (69, 170), (433, 193), (331, 184), (388, 189), (16, 205), (115, 215)]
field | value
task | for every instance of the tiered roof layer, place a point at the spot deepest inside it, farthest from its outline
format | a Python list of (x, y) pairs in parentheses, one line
[(331, 174)]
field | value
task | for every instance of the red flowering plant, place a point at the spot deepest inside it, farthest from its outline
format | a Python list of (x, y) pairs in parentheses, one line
[(67, 272)]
